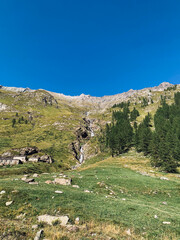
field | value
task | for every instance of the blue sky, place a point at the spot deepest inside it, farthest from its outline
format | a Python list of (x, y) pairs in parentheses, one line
[(96, 47)]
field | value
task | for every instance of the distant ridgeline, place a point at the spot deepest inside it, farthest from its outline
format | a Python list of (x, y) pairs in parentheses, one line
[(162, 143)]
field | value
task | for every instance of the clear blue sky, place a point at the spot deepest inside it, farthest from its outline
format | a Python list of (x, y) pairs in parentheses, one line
[(96, 47)]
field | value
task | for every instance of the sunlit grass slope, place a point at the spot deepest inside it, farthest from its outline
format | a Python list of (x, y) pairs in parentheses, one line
[(120, 198)]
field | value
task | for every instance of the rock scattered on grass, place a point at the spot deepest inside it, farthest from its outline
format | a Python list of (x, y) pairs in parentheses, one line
[(168, 223), (34, 226), (35, 175), (2, 192), (23, 179), (58, 191), (123, 199), (164, 203), (77, 221), (15, 191), (155, 216), (28, 180), (128, 232), (33, 183), (63, 220), (48, 182), (75, 186), (62, 181), (39, 235), (21, 216), (164, 178), (86, 191), (9, 203)]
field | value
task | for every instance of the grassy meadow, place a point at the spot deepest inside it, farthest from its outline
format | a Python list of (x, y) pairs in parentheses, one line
[(122, 203)]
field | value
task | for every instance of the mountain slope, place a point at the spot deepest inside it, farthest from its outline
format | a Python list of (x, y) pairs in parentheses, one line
[(55, 123)]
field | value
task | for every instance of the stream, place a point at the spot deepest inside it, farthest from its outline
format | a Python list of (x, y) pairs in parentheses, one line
[(81, 157)]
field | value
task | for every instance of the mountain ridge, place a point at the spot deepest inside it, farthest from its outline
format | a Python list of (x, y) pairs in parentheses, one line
[(103, 102)]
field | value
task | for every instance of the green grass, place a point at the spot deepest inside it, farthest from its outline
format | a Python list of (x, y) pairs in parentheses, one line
[(144, 196), (111, 180)]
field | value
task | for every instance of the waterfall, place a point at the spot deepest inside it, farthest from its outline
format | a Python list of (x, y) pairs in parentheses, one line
[(92, 132), (81, 158)]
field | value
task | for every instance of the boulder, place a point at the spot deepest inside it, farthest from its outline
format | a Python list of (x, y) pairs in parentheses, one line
[(28, 180), (48, 182), (34, 226), (50, 219), (7, 154), (9, 203), (9, 161), (2, 192), (45, 158), (164, 178), (62, 181), (39, 235), (77, 220), (35, 175), (86, 191), (21, 158), (33, 183), (58, 191), (28, 151), (33, 159)]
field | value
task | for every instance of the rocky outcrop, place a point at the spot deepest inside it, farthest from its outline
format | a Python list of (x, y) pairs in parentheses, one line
[(83, 134), (25, 151), (9, 161), (23, 155)]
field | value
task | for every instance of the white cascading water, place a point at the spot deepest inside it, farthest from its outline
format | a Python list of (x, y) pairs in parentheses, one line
[(92, 132), (81, 158)]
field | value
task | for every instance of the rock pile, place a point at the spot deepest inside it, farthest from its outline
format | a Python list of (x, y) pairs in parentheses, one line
[(23, 155)]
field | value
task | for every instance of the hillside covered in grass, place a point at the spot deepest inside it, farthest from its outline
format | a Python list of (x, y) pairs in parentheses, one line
[(108, 196)]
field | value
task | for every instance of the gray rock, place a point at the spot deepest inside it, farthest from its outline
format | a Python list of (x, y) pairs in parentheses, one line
[(62, 181), (35, 175), (48, 182), (34, 226), (9, 203), (2, 192), (164, 178), (39, 235), (21, 158), (58, 192), (28, 180), (33, 183), (50, 219), (86, 191), (33, 159)]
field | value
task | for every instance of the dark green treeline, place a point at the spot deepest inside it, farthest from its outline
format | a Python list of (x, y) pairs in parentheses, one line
[(162, 143)]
